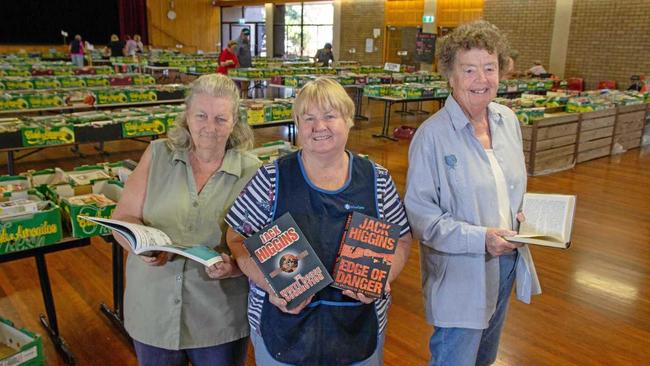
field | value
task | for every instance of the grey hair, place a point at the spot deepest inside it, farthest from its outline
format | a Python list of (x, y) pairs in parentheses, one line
[(481, 35), (215, 85)]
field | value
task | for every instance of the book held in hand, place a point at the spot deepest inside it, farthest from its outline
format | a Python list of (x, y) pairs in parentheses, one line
[(287, 260), (146, 239), (549, 220), (366, 255)]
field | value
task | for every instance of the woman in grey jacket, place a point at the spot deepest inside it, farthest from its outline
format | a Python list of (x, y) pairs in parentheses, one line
[(466, 180)]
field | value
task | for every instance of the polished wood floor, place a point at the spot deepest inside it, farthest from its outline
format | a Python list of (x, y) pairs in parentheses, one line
[(594, 310)]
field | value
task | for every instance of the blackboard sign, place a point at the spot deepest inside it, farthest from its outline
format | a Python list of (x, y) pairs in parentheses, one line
[(425, 47)]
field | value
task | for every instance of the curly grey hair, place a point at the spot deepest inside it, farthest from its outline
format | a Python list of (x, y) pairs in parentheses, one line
[(480, 34), (215, 85)]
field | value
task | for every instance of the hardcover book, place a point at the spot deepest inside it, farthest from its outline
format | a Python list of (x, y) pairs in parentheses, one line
[(288, 261), (365, 255)]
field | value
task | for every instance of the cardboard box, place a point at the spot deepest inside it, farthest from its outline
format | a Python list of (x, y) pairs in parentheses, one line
[(47, 135), (31, 230), (112, 189), (27, 346)]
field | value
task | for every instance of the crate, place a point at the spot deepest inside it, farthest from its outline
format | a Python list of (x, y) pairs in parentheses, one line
[(630, 121), (27, 347), (596, 133), (550, 143)]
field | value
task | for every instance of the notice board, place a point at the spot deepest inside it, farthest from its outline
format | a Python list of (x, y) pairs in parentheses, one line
[(425, 47)]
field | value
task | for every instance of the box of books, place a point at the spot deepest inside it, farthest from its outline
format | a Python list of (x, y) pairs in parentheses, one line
[(19, 347), (27, 221), (13, 183), (95, 200), (47, 134)]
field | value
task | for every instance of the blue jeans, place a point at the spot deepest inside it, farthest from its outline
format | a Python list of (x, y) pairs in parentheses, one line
[(264, 358), (227, 354), (469, 347), (77, 60)]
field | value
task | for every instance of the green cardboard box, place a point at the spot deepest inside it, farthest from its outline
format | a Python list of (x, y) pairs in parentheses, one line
[(44, 82), (277, 112), (31, 230), (134, 126), (82, 228), (47, 135), (97, 80), (18, 84), (27, 346), (13, 102), (46, 100), (72, 82)]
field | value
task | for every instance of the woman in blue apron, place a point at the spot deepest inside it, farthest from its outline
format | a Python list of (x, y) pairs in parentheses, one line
[(319, 185)]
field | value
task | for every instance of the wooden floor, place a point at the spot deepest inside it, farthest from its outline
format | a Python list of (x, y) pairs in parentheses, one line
[(594, 310)]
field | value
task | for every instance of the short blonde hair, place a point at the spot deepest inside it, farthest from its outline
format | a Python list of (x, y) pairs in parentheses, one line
[(215, 85), (231, 43), (481, 35), (326, 94)]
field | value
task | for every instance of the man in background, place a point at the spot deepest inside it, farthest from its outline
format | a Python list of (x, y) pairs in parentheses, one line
[(324, 56), (244, 57)]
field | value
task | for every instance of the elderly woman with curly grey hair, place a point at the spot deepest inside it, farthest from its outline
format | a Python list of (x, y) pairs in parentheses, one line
[(176, 310), (466, 180)]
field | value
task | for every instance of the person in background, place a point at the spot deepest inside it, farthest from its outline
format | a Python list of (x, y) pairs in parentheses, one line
[(77, 51), (130, 47), (511, 72), (138, 43), (320, 185), (228, 58), (244, 57), (324, 56), (537, 69), (115, 47), (465, 186), (175, 309), (244, 48)]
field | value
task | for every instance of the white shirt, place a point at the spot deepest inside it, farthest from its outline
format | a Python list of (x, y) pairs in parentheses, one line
[(505, 221)]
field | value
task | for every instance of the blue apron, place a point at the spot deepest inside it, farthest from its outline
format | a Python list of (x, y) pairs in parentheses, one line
[(334, 329)]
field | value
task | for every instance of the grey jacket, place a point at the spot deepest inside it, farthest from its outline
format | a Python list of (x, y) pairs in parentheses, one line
[(450, 200)]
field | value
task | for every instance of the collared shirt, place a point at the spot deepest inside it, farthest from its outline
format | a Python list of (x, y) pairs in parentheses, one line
[(451, 200), (176, 305)]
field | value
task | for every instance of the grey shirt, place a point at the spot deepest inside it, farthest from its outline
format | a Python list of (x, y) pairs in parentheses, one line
[(451, 199), (323, 57), (176, 305), (244, 53)]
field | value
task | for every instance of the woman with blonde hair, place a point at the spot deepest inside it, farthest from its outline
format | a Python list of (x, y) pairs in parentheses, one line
[(175, 309), (319, 185)]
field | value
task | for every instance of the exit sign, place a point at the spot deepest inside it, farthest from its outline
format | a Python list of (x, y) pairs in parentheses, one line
[(427, 19)]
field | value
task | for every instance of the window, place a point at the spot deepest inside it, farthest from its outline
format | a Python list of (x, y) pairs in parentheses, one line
[(301, 29), (235, 18)]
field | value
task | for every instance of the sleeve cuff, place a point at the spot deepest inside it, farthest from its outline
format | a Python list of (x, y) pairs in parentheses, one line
[(476, 239)]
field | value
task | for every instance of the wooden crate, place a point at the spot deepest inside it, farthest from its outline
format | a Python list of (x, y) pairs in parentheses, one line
[(630, 121), (550, 143), (595, 134)]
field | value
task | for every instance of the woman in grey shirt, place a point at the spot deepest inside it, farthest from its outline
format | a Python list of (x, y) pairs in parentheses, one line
[(176, 310), (466, 180)]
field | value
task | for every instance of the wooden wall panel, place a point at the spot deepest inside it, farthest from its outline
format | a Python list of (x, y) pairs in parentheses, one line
[(451, 13), (196, 25), (404, 12), (14, 48)]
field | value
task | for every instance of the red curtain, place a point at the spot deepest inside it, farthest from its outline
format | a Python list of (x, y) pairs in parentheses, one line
[(133, 18)]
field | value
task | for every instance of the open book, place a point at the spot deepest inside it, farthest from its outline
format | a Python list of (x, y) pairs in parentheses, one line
[(144, 239), (549, 220)]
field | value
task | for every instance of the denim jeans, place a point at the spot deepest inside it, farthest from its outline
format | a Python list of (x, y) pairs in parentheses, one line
[(77, 60), (469, 347), (264, 358), (227, 354)]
